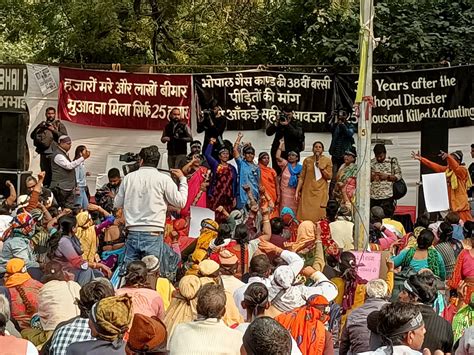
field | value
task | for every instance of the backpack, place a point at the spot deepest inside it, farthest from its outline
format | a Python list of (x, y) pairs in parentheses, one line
[(42, 138)]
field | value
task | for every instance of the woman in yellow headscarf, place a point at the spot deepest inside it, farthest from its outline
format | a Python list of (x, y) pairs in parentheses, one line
[(209, 229)]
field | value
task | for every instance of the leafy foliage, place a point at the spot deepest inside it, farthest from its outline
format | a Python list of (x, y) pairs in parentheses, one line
[(202, 32)]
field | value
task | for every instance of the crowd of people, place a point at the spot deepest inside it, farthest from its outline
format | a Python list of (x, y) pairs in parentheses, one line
[(274, 272)]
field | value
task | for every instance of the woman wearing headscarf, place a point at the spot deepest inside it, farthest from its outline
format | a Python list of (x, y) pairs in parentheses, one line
[(87, 231), (423, 256), (269, 181), (223, 189), (163, 286), (209, 232), (313, 187), (17, 243), (183, 304), (198, 181), (290, 231), (287, 291), (145, 300), (147, 336), (458, 180), (307, 326), (290, 172), (109, 321), (23, 291), (249, 172), (351, 287)]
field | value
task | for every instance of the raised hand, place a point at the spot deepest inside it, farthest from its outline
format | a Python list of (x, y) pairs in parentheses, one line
[(177, 173), (416, 156)]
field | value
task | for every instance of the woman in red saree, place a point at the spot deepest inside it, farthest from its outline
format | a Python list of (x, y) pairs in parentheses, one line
[(198, 180), (268, 179)]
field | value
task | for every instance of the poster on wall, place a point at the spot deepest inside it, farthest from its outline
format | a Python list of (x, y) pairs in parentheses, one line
[(122, 100)]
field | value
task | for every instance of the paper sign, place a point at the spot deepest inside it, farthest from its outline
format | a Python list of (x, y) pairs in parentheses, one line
[(369, 264), (197, 215), (45, 80), (435, 191)]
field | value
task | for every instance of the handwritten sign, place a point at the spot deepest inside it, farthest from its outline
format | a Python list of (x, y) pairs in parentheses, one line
[(369, 264)]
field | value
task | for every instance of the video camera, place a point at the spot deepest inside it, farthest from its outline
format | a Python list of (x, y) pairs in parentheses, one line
[(132, 158), (283, 117)]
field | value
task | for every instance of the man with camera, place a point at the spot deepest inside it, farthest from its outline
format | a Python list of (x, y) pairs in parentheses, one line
[(144, 195), (213, 123), (176, 135), (44, 135), (291, 131)]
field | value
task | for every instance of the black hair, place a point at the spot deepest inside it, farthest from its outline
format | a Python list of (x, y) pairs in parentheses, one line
[(150, 156), (53, 270), (388, 208), (424, 286), (78, 151), (468, 229), (452, 217), (67, 224), (113, 173), (260, 266), (348, 261), (423, 220), (255, 298), (393, 316), (332, 207), (211, 300), (3, 324), (265, 336), (425, 239), (223, 232), (91, 293), (241, 234), (445, 232), (322, 145), (277, 225), (50, 108), (380, 149), (287, 108), (213, 103), (136, 275)]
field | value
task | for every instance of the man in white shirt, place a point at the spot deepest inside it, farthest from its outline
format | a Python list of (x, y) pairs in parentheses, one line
[(144, 196), (63, 181)]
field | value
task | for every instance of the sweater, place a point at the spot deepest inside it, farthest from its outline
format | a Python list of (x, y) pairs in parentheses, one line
[(145, 195), (56, 303), (205, 337)]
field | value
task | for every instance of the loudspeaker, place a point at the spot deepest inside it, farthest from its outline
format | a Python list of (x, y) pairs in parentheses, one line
[(14, 156), (434, 137)]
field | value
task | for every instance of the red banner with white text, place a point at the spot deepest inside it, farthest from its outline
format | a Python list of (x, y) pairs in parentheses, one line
[(122, 100)]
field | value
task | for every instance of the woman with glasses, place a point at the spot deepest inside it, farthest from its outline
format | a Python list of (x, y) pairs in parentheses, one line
[(249, 172)]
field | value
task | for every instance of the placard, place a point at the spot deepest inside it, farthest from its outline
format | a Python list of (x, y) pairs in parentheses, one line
[(368, 264), (435, 191), (197, 215)]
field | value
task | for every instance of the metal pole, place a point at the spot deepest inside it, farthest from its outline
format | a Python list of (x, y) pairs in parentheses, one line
[(364, 134)]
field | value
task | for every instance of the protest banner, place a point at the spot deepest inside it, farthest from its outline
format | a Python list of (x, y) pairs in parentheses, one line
[(13, 81), (122, 100), (401, 100), (250, 99)]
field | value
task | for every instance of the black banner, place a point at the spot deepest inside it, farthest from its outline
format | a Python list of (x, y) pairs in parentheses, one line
[(12, 88), (252, 98), (402, 99)]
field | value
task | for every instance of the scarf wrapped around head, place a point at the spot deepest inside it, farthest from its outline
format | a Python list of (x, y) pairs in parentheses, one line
[(23, 224), (208, 233), (305, 239), (294, 173), (111, 317), (16, 273), (285, 292), (306, 325)]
